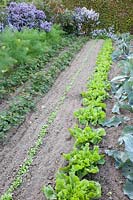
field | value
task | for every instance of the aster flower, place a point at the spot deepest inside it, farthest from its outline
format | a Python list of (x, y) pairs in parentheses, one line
[(22, 15), (46, 26), (84, 17)]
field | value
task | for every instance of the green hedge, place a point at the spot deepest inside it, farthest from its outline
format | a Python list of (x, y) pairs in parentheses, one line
[(112, 12)]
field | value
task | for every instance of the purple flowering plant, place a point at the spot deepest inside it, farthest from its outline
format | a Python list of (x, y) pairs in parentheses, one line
[(104, 33), (79, 20), (22, 15), (85, 19)]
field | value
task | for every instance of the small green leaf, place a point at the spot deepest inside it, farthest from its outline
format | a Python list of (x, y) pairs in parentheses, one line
[(7, 196), (49, 193)]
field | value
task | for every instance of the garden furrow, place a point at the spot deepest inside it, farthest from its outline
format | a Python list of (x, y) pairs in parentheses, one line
[(40, 84), (58, 140), (15, 152)]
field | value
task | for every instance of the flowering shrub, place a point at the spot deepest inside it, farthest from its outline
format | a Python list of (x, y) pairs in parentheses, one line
[(85, 19), (112, 12), (80, 20), (22, 15), (104, 33), (46, 26)]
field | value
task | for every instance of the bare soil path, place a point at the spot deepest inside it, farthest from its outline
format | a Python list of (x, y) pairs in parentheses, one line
[(57, 141)]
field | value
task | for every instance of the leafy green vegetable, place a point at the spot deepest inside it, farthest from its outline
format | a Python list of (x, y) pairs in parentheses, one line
[(86, 135), (94, 96), (71, 188), (7, 197), (128, 140), (122, 88), (116, 108), (124, 160), (93, 115), (123, 44), (83, 161)]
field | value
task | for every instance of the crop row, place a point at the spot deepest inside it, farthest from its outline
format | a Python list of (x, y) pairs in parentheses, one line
[(39, 84), (122, 89), (8, 195), (24, 47), (19, 76), (83, 160)]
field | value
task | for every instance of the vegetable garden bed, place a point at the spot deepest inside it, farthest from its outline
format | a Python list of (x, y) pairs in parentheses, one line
[(66, 104), (32, 156), (20, 142)]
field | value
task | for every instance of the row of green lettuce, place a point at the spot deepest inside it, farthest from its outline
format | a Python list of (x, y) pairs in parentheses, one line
[(122, 89), (38, 85), (72, 180)]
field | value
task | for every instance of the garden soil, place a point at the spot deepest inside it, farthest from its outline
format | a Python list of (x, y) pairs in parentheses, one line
[(57, 141)]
